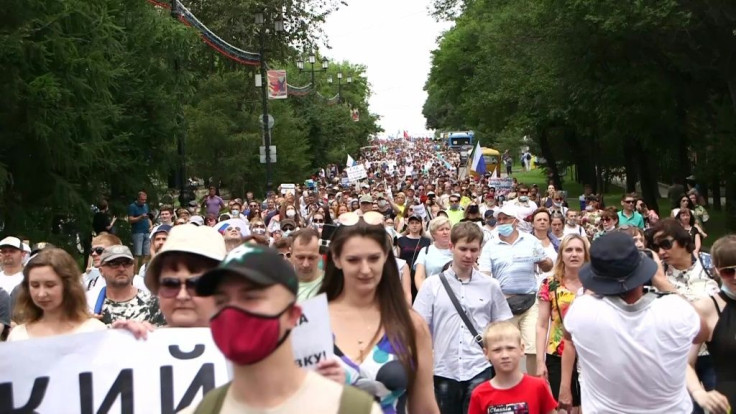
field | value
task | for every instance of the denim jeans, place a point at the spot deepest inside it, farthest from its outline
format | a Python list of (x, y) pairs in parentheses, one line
[(707, 375), (453, 397)]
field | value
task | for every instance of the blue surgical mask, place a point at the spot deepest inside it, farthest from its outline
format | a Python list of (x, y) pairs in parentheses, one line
[(523, 198), (505, 230)]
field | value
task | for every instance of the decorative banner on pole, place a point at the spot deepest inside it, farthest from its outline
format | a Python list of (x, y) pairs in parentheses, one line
[(111, 372), (277, 88)]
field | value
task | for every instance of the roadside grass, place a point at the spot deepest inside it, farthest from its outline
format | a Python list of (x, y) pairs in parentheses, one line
[(715, 227)]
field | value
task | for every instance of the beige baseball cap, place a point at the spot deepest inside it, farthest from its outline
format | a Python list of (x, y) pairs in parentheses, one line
[(203, 241)]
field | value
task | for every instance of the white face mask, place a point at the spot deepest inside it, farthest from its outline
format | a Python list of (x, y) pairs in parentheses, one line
[(290, 213), (235, 213)]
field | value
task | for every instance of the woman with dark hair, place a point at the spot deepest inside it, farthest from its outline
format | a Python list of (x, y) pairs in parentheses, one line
[(609, 222), (210, 220), (52, 299), (687, 220), (719, 314), (385, 347), (684, 203)]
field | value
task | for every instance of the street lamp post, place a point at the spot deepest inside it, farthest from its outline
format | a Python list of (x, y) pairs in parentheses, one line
[(349, 80), (184, 196), (260, 20), (312, 61)]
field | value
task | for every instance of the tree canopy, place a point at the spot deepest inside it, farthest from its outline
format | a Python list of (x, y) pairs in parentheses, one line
[(641, 87)]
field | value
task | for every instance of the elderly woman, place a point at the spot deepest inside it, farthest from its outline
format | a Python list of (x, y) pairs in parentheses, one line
[(434, 257)]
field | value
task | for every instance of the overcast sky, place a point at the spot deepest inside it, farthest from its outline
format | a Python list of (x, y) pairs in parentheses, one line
[(393, 39)]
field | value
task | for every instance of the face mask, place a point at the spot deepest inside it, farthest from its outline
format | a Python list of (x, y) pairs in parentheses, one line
[(557, 204), (728, 291), (491, 222), (572, 222), (609, 228), (454, 206), (588, 208), (246, 338), (259, 231), (505, 230), (234, 213), (290, 213), (317, 225), (523, 198), (286, 233)]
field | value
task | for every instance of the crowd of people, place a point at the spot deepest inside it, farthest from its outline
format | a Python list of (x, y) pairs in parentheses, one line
[(445, 294)]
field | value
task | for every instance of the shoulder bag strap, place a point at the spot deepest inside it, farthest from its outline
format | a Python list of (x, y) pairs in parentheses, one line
[(354, 401), (478, 339), (212, 401), (557, 305), (100, 300)]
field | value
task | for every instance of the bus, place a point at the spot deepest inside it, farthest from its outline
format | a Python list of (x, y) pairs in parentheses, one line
[(460, 140)]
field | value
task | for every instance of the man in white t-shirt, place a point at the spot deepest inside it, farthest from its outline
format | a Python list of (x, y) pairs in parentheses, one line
[(11, 254), (265, 377), (632, 347)]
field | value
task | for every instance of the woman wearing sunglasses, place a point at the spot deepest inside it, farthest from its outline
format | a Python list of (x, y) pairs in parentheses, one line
[(51, 299), (719, 314), (609, 222), (383, 344)]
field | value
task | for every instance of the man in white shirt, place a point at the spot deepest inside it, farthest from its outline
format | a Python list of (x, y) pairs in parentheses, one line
[(632, 347), (459, 362), (11, 254)]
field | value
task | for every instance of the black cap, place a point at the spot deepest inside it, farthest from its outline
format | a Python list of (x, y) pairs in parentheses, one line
[(261, 265), (414, 217)]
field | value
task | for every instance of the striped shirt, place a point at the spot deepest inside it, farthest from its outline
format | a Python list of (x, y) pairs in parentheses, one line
[(513, 264)]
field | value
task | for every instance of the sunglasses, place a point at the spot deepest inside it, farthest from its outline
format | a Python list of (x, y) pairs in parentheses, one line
[(664, 244), (373, 218), (96, 250), (318, 220), (288, 228), (728, 271), (523, 192), (117, 263), (258, 226), (285, 255), (171, 286), (629, 201), (606, 219)]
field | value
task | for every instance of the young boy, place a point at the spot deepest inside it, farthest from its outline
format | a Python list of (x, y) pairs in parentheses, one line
[(509, 391)]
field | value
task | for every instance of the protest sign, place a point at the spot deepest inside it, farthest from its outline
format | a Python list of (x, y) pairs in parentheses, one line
[(420, 211), (312, 338), (288, 189), (356, 173), (111, 371), (502, 185)]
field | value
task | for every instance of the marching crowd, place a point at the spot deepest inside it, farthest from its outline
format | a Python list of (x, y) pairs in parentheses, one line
[(446, 294)]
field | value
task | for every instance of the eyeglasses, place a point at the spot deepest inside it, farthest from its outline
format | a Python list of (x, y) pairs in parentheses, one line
[(606, 219), (285, 255), (629, 201), (253, 206), (350, 219), (258, 226), (728, 271), (523, 192), (117, 263), (664, 244), (96, 250), (169, 287)]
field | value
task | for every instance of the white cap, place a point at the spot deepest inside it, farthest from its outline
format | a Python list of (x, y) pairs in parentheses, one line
[(507, 209), (197, 220), (26, 248), (12, 242), (203, 241)]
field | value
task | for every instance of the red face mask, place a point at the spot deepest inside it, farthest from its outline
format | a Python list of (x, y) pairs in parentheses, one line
[(246, 338)]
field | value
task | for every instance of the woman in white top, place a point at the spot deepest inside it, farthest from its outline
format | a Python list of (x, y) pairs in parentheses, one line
[(52, 300), (433, 258)]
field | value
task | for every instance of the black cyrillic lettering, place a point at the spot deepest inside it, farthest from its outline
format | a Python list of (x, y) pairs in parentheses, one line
[(205, 379), (179, 354), (34, 401), (302, 319), (123, 387)]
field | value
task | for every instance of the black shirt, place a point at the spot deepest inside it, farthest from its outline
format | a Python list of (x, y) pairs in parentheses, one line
[(409, 248), (100, 222)]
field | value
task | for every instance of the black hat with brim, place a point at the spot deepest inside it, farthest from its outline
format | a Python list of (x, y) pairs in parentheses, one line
[(616, 265)]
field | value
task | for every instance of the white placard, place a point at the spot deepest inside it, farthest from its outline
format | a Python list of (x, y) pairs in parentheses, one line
[(110, 371), (312, 338), (288, 189), (502, 185), (356, 173), (420, 211)]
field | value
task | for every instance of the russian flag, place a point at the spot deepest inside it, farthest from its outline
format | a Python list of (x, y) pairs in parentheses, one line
[(477, 162)]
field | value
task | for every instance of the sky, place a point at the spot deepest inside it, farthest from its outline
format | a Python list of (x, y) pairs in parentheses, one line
[(393, 39)]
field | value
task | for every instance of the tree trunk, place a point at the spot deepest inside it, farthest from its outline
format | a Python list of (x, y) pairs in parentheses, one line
[(549, 156), (649, 186), (716, 192), (630, 160), (584, 169), (730, 201)]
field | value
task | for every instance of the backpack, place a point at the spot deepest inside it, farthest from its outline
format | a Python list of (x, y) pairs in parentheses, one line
[(352, 401)]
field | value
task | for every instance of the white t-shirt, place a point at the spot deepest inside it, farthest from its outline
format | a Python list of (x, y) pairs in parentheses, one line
[(573, 230), (317, 395), (634, 359), (9, 282), (20, 333)]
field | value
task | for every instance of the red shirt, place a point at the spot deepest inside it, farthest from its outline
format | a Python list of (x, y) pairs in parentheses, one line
[(530, 396)]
